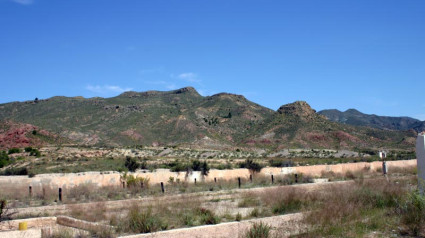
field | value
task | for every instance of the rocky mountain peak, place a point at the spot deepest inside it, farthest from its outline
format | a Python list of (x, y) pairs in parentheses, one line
[(186, 90), (298, 108)]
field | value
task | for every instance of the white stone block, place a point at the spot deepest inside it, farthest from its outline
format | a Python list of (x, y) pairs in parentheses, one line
[(420, 155)]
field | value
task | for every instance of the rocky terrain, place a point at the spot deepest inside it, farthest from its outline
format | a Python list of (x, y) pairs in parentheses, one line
[(183, 118)]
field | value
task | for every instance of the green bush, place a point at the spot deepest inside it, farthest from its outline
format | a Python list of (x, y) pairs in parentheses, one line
[(14, 150), (177, 166), (251, 165), (412, 212), (131, 164), (15, 171), (142, 221), (258, 230), (4, 159), (203, 167), (207, 217)]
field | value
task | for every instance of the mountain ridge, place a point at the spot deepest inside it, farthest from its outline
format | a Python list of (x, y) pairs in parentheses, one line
[(183, 117), (357, 118)]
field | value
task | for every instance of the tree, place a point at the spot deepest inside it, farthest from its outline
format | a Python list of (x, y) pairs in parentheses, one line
[(196, 165), (205, 169), (253, 167), (131, 164)]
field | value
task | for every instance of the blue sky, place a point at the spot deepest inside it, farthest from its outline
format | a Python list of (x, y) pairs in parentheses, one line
[(368, 55)]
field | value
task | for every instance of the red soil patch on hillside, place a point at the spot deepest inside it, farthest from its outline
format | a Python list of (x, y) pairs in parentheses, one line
[(19, 135)]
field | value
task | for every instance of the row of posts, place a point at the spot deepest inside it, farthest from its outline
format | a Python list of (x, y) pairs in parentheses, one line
[(162, 185)]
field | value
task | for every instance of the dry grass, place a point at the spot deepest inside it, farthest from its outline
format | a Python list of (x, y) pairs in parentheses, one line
[(357, 209), (94, 213)]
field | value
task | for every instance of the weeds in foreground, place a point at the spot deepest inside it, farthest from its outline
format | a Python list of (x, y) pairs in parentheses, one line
[(141, 220), (93, 213), (364, 207), (283, 201), (5, 212), (258, 230), (412, 213)]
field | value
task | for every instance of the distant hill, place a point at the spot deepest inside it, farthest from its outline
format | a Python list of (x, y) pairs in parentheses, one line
[(356, 118), (185, 118)]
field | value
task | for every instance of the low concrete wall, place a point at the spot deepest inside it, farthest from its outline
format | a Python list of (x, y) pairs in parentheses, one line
[(53, 181), (80, 224), (31, 233), (38, 222)]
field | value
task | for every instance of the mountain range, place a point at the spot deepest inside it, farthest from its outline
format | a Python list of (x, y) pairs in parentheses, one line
[(356, 118), (185, 118)]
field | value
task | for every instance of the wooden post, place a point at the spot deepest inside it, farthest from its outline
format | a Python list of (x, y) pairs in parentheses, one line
[(123, 184), (162, 187), (384, 168), (30, 191), (272, 179), (239, 182), (195, 181), (60, 194), (296, 178), (250, 177), (215, 180)]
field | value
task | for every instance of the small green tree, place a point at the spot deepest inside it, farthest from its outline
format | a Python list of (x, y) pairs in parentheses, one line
[(131, 164), (205, 169), (253, 167), (4, 159), (196, 165)]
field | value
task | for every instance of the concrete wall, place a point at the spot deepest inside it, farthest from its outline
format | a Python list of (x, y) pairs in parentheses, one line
[(38, 222), (30, 233), (53, 181)]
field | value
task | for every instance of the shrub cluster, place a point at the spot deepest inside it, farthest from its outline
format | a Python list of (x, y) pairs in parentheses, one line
[(4, 159), (33, 151), (254, 167)]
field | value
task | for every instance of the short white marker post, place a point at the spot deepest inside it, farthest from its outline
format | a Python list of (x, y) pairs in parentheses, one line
[(420, 156)]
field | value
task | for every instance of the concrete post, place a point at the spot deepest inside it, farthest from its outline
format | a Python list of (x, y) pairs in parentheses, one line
[(420, 156), (162, 187)]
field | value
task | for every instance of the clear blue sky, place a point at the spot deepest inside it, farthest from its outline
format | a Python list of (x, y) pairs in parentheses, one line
[(368, 55)]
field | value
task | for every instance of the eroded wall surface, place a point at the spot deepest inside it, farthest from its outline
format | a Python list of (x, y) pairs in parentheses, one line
[(69, 180)]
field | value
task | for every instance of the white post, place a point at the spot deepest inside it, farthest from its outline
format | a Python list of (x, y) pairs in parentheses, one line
[(420, 156)]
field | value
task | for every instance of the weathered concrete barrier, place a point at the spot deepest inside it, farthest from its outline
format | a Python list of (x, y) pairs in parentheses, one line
[(102, 179), (38, 222), (80, 224), (30, 233)]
